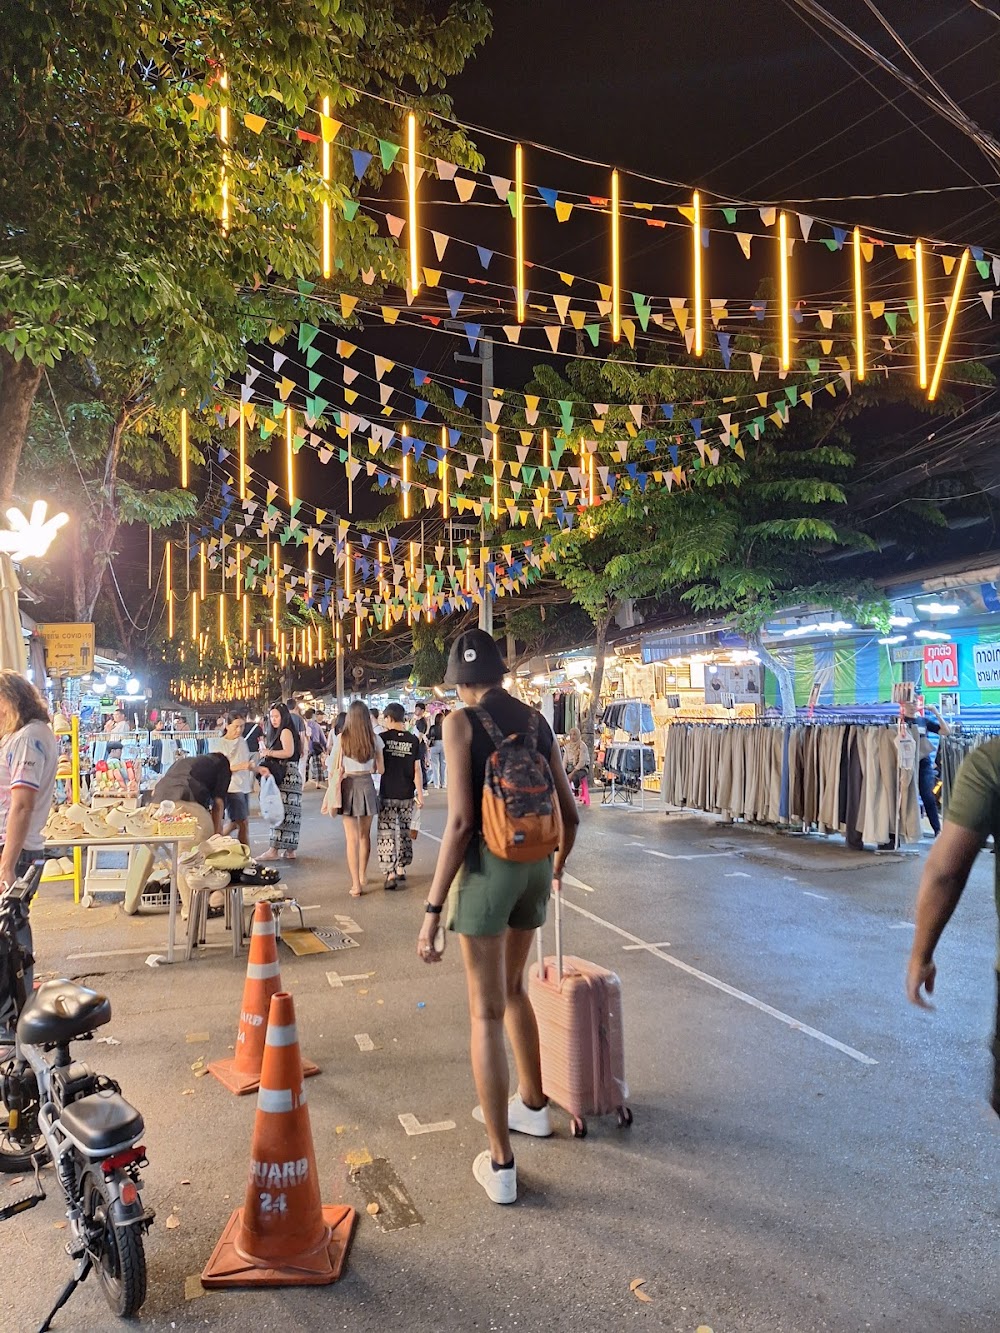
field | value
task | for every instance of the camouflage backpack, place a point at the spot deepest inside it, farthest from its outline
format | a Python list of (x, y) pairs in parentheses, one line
[(520, 809)]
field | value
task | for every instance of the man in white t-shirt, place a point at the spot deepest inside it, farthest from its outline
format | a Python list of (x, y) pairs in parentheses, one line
[(29, 758), (117, 724)]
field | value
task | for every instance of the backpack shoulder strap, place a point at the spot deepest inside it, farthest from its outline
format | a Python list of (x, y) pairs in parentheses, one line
[(531, 735), (488, 725)]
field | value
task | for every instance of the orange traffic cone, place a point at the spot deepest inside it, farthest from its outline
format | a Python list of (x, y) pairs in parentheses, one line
[(282, 1236), (241, 1073)]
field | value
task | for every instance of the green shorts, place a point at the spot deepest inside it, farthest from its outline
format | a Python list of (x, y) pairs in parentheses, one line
[(499, 894)]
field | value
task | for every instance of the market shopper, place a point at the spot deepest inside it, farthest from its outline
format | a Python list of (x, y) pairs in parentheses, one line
[(29, 758), (437, 760), (233, 745), (280, 755), (302, 731), (972, 816), (401, 789), (927, 769), (576, 758), (495, 907), (420, 728), (198, 786), (116, 725), (317, 747), (356, 758)]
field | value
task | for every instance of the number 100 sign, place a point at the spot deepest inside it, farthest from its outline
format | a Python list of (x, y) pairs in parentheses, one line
[(940, 665)]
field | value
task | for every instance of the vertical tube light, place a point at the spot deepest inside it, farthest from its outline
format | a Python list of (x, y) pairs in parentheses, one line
[(274, 599), (411, 187), (616, 296), (290, 452), (956, 295), (406, 477), (348, 579), (194, 619), (699, 292), (184, 449), (222, 617), (202, 570), (224, 140), (519, 230), (326, 238), (246, 620), (859, 306), (786, 336), (243, 452), (546, 463), (918, 259), (445, 501)]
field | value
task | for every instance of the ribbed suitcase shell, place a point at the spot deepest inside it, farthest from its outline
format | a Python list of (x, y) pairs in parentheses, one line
[(580, 1031)]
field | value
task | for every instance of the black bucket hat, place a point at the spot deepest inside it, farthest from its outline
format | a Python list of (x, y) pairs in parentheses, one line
[(475, 659)]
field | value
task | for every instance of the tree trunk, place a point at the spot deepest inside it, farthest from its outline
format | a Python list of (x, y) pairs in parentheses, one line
[(781, 673), (106, 520), (19, 381), (601, 625), (124, 628), (79, 574)]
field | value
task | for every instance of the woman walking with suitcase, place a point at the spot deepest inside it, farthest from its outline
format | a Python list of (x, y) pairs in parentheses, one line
[(498, 901)]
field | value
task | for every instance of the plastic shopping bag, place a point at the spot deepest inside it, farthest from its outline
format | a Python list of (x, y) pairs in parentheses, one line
[(415, 822), (272, 808)]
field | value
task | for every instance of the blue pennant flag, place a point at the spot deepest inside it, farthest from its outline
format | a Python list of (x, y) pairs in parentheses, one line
[(759, 309), (840, 236), (454, 301), (674, 453), (473, 332), (651, 446), (420, 405), (361, 160), (382, 478), (460, 396), (484, 255), (550, 196), (366, 541), (668, 410), (418, 448), (632, 469), (725, 341), (420, 377), (454, 436), (696, 427)]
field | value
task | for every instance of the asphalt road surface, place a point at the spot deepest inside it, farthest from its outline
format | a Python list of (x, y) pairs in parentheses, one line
[(809, 1152)]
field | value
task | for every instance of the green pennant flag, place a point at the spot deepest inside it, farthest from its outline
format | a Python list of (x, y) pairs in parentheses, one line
[(305, 288), (891, 320), (307, 335), (792, 393), (911, 306), (285, 537), (266, 427), (320, 405), (312, 356), (567, 416), (343, 455), (315, 380), (813, 363), (761, 423), (350, 207), (512, 203), (730, 215), (593, 332), (277, 408), (544, 473), (296, 506), (830, 244), (388, 153), (528, 473), (984, 268)]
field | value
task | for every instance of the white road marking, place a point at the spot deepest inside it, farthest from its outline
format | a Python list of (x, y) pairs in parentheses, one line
[(736, 874), (725, 987), (665, 944), (125, 953), (820, 896), (413, 1126), (425, 834), (575, 883), (348, 925), (694, 856), (336, 980), (365, 1042), (902, 925)]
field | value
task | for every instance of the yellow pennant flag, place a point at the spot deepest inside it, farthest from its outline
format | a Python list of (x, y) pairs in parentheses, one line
[(347, 304), (389, 314), (432, 276), (563, 210), (744, 238), (628, 328), (351, 395), (947, 263), (254, 123), (686, 213), (577, 318), (329, 128), (826, 346), (567, 278), (877, 308), (826, 318), (285, 387)]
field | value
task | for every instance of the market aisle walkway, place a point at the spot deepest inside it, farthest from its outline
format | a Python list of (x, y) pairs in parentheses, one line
[(775, 1181)]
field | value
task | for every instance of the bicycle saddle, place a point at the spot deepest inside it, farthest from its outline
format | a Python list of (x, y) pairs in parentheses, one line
[(58, 1011)]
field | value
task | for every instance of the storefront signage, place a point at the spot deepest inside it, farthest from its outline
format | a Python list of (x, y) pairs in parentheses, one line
[(940, 665), (914, 654), (742, 685), (986, 665), (69, 648)]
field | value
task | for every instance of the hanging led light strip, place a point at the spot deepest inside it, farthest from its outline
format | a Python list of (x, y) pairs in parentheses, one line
[(616, 297), (168, 562), (348, 589), (243, 452), (956, 295), (202, 569), (546, 465), (290, 452), (405, 476), (224, 140), (246, 620), (184, 449), (411, 190), (519, 231), (275, 590), (699, 291), (222, 616), (445, 499), (326, 171), (859, 306), (918, 260), (786, 333)]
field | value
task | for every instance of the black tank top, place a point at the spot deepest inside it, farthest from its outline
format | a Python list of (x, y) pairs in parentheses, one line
[(511, 716)]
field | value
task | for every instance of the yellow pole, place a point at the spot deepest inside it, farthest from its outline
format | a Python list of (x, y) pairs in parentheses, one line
[(859, 306), (699, 299), (956, 294), (918, 255), (411, 189), (326, 245), (519, 230), (616, 300), (786, 337)]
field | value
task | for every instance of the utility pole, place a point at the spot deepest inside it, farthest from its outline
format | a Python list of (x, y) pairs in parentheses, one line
[(485, 362)]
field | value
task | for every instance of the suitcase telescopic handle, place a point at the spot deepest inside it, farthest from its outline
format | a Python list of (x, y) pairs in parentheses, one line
[(557, 898)]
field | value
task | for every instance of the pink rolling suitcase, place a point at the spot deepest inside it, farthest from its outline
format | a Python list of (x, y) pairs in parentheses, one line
[(579, 1010)]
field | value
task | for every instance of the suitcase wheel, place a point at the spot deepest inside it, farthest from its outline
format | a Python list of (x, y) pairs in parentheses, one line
[(624, 1117), (578, 1127)]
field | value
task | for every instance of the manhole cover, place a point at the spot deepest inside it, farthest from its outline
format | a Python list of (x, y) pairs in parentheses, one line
[(335, 939)]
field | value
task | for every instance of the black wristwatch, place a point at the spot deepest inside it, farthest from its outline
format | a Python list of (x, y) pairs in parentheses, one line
[(435, 911)]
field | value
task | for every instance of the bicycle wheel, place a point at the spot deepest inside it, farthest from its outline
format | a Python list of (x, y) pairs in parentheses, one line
[(121, 1258)]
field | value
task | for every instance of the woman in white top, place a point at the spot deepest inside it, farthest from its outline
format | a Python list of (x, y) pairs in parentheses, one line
[(232, 744), (357, 755)]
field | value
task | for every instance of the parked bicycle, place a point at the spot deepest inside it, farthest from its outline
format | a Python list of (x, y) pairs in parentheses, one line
[(54, 1108)]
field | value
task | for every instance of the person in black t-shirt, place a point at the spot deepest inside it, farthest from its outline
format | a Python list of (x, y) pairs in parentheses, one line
[(420, 729), (402, 787), (496, 907)]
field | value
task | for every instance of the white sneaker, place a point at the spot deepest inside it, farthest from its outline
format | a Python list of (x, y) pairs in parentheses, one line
[(501, 1186), (522, 1119)]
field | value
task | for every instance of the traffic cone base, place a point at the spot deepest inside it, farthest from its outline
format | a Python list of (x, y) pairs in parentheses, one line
[(228, 1267), (232, 1076)]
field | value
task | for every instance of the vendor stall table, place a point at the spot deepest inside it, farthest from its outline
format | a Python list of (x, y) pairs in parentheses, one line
[(169, 846)]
